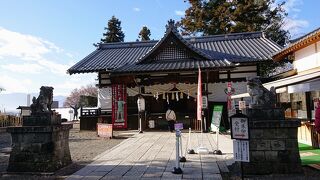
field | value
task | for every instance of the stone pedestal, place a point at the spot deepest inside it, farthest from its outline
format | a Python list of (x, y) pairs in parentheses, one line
[(40, 145), (273, 143)]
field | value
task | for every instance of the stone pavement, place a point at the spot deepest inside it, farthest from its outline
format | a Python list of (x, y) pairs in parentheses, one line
[(151, 155)]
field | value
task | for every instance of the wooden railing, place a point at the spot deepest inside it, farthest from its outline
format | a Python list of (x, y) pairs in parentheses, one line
[(8, 120), (94, 112)]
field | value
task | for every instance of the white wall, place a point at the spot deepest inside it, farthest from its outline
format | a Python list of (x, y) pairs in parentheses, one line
[(307, 58), (65, 113)]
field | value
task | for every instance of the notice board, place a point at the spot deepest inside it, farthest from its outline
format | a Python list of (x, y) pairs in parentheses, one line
[(104, 130), (241, 150), (216, 117)]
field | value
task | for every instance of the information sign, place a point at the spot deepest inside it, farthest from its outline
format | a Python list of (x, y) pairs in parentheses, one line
[(216, 117), (104, 130), (241, 150), (239, 128), (178, 126)]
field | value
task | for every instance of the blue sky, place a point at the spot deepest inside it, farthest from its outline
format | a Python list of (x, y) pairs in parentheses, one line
[(41, 39)]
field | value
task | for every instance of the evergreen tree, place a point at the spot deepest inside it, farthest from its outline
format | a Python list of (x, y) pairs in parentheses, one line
[(114, 32), (210, 17), (144, 34)]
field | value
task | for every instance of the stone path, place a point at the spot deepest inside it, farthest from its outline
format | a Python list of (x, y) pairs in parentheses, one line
[(151, 155)]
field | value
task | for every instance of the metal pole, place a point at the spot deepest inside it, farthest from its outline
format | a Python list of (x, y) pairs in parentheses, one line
[(217, 138), (177, 153), (205, 124), (201, 133), (241, 170), (177, 169), (190, 151), (140, 124), (182, 158), (217, 151)]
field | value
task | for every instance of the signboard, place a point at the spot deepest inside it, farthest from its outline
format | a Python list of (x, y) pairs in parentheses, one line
[(216, 117), (178, 126), (241, 150), (119, 106), (204, 102), (239, 128), (104, 130)]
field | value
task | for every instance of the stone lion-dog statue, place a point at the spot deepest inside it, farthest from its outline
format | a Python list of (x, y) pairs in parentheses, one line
[(261, 97), (44, 100)]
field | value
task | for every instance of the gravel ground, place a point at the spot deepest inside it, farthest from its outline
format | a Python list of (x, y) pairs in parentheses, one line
[(84, 146)]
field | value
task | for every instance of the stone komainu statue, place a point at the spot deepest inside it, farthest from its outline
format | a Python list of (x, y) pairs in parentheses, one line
[(261, 97), (44, 100)]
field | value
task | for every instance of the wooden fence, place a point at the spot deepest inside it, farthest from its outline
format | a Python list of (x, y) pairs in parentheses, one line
[(8, 120)]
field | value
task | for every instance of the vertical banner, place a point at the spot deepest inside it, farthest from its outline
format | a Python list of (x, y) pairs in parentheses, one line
[(199, 97), (119, 106)]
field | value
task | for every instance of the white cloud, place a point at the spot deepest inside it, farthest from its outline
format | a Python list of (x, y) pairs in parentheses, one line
[(179, 13), (28, 62), (292, 22), (292, 5), (295, 25), (28, 68), (23, 46), (32, 49), (56, 68), (10, 84), (137, 9)]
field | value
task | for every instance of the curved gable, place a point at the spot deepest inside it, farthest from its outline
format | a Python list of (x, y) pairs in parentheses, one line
[(173, 47)]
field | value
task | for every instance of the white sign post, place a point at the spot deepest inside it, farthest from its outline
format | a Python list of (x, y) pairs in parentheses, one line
[(177, 169), (240, 132)]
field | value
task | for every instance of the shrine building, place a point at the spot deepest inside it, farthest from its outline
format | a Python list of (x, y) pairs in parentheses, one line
[(165, 73)]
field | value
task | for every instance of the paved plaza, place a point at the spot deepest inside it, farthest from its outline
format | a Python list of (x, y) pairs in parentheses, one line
[(151, 155)]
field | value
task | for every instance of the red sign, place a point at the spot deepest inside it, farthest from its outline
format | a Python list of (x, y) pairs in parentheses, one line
[(119, 106)]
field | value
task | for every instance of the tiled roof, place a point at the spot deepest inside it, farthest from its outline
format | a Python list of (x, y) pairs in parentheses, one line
[(126, 56), (174, 65), (298, 44)]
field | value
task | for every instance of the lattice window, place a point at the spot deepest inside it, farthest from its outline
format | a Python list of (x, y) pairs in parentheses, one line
[(172, 53)]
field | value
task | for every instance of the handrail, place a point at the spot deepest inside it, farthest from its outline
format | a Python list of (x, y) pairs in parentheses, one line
[(94, 111)]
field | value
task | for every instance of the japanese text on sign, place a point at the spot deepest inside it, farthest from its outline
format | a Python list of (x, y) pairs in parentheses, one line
[(239, 128), (241, 150)]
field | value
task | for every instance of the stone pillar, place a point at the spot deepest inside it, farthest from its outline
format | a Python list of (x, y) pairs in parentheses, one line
[(40, 145), (273, 143)]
